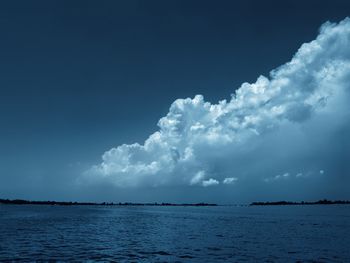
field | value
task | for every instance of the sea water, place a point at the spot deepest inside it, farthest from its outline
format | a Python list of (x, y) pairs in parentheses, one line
[(175, 234)]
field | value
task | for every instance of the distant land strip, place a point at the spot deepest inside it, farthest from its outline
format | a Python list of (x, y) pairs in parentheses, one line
[(27, 202), (319, 202)]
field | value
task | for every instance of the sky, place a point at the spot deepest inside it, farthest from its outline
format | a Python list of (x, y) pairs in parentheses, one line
[(174, 101)]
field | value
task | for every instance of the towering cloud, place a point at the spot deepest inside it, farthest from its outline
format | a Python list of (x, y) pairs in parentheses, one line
[(290, 123)]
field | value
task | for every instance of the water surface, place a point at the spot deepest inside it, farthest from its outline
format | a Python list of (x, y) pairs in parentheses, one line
[(175, 234)]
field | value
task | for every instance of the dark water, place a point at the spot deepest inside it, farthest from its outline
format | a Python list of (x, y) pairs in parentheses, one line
[(175, 234)]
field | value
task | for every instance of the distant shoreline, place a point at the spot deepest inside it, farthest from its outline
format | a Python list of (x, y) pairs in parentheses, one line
[(70, 203), (27, 202), (319, 202)]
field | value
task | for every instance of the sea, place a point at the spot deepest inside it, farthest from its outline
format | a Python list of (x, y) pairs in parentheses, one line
[(44, 233)]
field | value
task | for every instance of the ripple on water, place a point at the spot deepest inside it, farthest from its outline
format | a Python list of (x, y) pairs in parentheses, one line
[(170, 234)]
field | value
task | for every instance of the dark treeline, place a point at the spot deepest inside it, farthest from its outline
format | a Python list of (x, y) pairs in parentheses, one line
[(320, 202), (27, 202)]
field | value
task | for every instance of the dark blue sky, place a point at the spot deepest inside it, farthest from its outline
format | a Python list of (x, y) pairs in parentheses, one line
[(78, 77)]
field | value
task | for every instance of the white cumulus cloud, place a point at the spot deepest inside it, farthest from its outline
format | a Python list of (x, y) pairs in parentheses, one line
[(266, 126), (210, 182), (229, 180)]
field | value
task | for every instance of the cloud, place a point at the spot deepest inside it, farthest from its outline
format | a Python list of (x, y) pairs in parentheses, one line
[(229, 180), (210, 182), (282, 177), (198, 178), (288, 175), (278, 177), (281, 122)]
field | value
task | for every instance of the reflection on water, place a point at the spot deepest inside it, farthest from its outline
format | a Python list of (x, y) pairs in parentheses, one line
[(175, 234)]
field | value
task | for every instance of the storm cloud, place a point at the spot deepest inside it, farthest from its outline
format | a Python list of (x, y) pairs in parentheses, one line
[(289, 126)]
